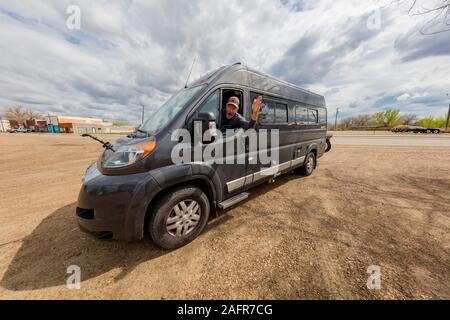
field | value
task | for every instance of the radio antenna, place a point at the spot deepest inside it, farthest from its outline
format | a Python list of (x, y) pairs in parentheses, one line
[(192, 67)]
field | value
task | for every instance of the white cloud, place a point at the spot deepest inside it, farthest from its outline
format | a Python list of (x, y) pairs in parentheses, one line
[(404, 97), (129, 53)]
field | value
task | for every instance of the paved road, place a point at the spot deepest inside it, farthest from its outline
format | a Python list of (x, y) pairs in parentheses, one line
[(393, 140)]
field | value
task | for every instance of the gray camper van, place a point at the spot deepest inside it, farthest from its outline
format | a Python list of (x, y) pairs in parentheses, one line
[(135, 188)]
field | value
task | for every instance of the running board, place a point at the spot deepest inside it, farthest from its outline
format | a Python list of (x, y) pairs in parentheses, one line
[(232, 201)]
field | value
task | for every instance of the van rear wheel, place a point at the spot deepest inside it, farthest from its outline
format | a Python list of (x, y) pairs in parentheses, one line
[(310, 164), (179, 217), (328, 149)]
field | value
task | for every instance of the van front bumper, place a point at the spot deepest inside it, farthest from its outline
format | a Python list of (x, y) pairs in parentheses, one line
[(114, 207)]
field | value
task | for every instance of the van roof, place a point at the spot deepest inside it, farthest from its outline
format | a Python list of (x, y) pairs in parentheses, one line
[(240, 74)]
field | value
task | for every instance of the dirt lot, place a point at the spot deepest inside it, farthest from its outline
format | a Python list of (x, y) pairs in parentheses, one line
[(300, 238)]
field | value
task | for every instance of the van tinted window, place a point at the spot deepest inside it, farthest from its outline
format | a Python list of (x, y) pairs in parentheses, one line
[(312, 116), (301, 115), (267, 113), (211, 104), (322, 115), (281, 113)]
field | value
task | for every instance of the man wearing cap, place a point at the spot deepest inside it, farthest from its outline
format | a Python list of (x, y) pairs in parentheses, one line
[(233, 120)]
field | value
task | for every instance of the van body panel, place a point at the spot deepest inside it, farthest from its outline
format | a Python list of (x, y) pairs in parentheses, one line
[(118, 204)]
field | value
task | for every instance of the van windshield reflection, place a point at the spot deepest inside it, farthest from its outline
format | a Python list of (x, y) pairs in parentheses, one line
[(169, 110)]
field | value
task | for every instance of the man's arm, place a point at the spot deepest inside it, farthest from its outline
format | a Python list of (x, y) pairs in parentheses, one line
[(244, 124), (256, 106)]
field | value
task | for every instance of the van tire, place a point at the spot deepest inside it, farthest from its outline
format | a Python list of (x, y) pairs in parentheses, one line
[(157, 227), (328, 148), (310, 164)]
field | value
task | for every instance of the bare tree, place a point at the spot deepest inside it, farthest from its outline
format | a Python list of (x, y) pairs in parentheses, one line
[(346, 123), (438, 12), (362, 120), (409, 119), (17, 113), (32, 115), (21, 115)]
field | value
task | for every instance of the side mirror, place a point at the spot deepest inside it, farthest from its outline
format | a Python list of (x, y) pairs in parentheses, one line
[(204, 122)]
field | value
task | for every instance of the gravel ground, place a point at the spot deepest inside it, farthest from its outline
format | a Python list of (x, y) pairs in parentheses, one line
[(299, 238)]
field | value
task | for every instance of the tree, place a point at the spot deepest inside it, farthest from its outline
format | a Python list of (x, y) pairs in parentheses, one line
[(16, 113), (438, 12), (432, 122), (362, 120), (32, 115), (346, 123), (440, 122), (388, 118), (121, 123), (21, 115), (409, 119)]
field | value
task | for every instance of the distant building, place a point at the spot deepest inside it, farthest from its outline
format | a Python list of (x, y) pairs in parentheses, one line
[(64, 124), (119, 129), (37, 125), (4, 125), (81, 125)]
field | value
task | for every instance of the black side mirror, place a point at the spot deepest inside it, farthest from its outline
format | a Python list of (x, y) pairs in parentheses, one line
[(207, 117), (204, 122)]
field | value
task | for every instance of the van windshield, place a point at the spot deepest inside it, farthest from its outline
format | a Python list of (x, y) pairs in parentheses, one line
[(169, 110)]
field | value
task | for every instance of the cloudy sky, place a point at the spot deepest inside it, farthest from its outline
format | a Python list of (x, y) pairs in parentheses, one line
[(364, 56)]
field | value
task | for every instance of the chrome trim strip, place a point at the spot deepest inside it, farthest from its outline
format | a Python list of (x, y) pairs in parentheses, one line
[(235, 184), (284, 166), (249, 179), (298, 161), (266, 173), (255, 177)]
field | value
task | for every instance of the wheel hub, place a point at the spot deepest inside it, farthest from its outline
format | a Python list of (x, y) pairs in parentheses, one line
[(183, 218)]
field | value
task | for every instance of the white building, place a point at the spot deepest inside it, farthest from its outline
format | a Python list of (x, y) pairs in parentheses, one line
[(4, 125)]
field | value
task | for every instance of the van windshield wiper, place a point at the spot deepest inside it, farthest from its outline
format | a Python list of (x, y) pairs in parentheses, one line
[(142, 131), (106, 145), (135, 133)]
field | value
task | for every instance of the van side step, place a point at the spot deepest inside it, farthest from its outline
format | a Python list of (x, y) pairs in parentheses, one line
[(232, 201)]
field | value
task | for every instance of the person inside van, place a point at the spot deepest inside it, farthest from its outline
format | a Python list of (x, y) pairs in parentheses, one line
[(231, 119)]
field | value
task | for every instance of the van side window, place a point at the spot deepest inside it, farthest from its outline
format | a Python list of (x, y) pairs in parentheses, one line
[(281, 113), (301, 115), (312, 116), (211, 105), (267, 113), (322, 115)]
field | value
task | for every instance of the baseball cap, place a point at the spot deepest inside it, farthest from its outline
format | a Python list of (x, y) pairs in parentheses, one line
[(234, 101)]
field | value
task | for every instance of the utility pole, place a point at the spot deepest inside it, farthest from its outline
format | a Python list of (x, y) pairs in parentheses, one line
[(335, 122), (448, 115), (143, 113)]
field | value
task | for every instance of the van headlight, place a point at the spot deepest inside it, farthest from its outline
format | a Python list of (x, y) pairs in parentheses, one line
[(128, 155)]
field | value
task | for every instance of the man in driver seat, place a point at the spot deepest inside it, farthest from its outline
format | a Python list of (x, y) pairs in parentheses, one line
[(231, 119)]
